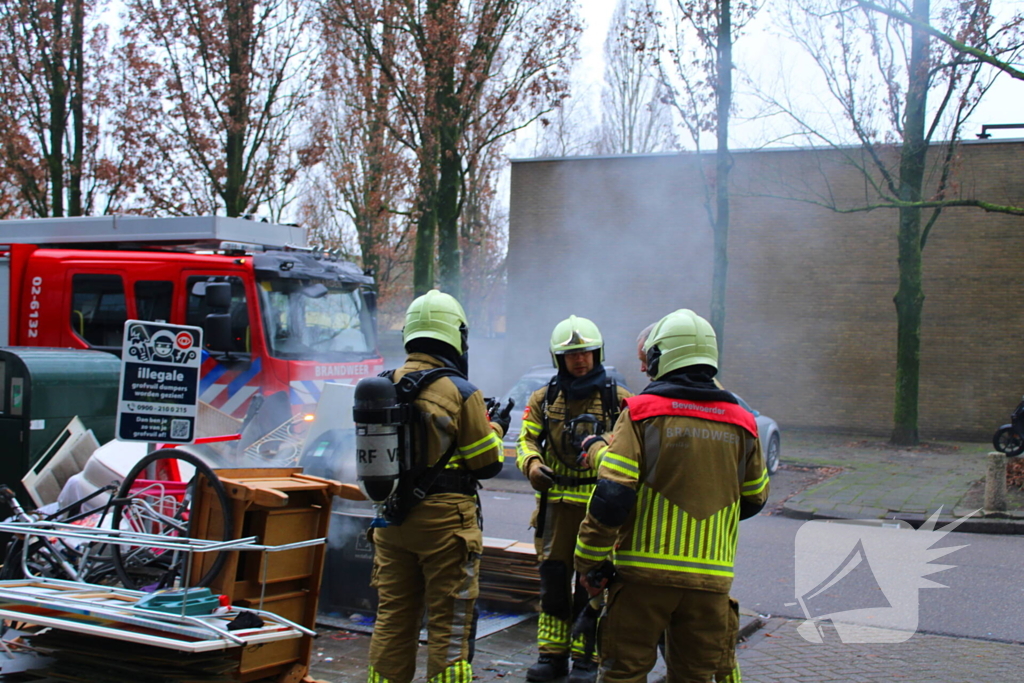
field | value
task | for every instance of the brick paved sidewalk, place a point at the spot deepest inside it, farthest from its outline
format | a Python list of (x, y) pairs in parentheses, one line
[(774, 654), (879, 482), (342, 657), (777, 654)]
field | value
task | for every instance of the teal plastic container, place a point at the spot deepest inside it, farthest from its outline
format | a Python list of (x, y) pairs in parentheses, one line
[(197, 601)]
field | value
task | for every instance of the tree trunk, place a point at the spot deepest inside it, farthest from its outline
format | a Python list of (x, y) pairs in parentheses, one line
[(239, 24), (448, 124), (58, 113), (426, 226), (77, 64), (723, 165), (909, 297), (449, 181)]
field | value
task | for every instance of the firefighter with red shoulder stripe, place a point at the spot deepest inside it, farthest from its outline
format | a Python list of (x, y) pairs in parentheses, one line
[(682, 467), (581, 400)]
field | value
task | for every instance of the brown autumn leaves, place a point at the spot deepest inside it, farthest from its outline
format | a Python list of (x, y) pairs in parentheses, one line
[(382, 115)]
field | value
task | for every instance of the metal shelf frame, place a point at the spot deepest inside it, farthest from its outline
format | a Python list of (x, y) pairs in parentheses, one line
[(42, 600)]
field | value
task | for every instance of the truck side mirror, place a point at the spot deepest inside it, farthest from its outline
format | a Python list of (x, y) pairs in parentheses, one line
[(218, 295), (217, 331), (370, 297)]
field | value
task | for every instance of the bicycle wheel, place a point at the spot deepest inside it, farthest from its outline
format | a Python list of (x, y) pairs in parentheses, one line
[(1008, 441), (45, 558), (163, 508)]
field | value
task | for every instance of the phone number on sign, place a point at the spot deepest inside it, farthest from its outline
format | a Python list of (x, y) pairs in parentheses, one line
[(157, 408)]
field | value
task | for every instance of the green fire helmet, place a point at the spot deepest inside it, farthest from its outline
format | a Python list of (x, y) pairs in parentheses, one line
[(680, 339), (575, 334), (436, 315)]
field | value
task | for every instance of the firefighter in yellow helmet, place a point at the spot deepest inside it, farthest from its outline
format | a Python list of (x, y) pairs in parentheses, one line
[(428, 556), (681, 468), (580, 400)]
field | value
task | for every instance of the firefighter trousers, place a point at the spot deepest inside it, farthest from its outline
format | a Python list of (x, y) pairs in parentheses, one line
[(700, 630), (431, 561), (559, 602)]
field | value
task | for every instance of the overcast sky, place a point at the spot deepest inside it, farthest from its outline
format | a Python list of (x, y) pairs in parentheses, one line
[(762, 50)]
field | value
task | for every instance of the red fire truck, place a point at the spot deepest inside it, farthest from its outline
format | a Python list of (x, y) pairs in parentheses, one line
[(277, 315)]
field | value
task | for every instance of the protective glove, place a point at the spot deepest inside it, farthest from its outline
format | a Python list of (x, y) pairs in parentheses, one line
[(503, 418), (583, 459), (598, 578), (541, 477)]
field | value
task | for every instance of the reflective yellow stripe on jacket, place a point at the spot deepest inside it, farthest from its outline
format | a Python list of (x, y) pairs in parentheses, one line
[(482, 446), (665, 537), (624, 467), (524, 448), (752, 487)]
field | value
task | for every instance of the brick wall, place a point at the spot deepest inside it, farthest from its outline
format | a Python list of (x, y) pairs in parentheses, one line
[(811, 327)]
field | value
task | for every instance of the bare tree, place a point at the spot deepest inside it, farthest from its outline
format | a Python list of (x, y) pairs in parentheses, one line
[(232, 81), (699, 84), (368, 173), (495, 65), (634, 116), (1013, 26), (55, 82), (899, 93), (568, 130), (483, 239)]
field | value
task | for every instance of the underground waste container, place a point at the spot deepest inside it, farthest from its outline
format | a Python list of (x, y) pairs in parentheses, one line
[(41, 390)]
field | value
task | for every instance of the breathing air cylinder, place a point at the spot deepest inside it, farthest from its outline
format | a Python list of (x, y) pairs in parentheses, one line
[(378, 418)]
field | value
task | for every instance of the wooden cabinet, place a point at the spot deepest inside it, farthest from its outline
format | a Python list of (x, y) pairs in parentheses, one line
[(277, 506)]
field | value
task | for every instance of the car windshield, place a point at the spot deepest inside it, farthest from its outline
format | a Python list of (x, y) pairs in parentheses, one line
[(316, 320), (743, 403)]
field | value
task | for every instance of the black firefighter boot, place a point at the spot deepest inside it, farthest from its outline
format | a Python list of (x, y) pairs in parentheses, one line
[(584, 670), (548, 668)]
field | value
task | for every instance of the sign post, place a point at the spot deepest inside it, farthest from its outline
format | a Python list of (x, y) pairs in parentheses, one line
[(159, 394)]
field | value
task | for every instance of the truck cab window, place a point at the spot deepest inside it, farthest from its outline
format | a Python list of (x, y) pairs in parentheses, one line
[(153, 300), (98, 309), (199, 308)]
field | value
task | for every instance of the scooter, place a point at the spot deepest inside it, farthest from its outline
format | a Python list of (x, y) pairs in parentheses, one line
[(1009, 439)]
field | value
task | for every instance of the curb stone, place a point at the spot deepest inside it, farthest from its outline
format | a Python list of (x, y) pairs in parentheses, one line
[(993, 523), (750, 623)]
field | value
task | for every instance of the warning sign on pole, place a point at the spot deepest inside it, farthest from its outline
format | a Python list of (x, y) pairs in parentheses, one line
[(159, 392)]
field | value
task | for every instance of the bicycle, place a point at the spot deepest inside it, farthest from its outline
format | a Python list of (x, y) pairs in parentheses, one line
[(1009, 438), (152, 499)]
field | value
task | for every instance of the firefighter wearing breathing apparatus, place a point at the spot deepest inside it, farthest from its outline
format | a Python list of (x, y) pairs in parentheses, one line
[(681, 468), (581, 400), (424, 439)]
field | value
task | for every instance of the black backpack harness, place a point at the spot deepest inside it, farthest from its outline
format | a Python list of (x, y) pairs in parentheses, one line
[(609, 408), (421, 480)]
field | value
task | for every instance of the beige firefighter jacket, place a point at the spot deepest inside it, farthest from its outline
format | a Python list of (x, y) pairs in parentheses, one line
[(553, 453), (690, 464)]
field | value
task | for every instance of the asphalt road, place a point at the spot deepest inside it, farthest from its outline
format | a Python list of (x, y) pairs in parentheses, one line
[(508, 505), (984, 598)]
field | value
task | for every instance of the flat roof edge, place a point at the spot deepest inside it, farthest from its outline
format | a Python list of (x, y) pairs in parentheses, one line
[(744, 150)]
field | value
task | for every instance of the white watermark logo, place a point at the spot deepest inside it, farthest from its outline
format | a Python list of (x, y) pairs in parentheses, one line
[(864, 576)]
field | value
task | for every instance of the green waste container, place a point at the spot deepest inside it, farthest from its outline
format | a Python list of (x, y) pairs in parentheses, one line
[(42, 389)]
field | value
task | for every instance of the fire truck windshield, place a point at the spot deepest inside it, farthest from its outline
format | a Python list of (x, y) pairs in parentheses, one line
[(317, 320)]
